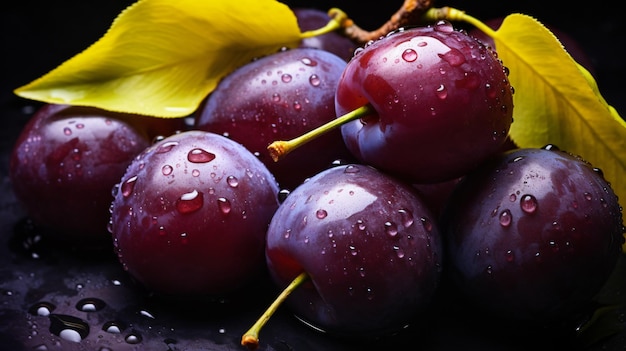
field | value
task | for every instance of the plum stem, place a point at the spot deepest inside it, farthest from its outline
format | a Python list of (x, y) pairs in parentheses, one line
[(334, 24), (278, 149), (409, 13), (251, 338)]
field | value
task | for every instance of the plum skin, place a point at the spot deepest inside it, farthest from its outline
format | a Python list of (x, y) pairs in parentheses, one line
[(532, 235), (370, 246), (279, 97), (442, 102), (64, 164), (185, 227)]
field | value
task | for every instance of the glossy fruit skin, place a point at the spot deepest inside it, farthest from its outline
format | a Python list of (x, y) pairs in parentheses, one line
[(311, 19), (442, 102), (371, 247), (280, 97), (532, 235), (190, 214), (64, 164)]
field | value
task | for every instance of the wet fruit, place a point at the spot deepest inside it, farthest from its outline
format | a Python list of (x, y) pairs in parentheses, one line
[(279, 96), (190, 215), (369, 244), (532, 235), (441, 103), (65, 163)]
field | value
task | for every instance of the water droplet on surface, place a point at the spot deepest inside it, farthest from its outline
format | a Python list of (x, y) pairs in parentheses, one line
[(190, 202), (199, 155), (224, 205), (407, 217), (166, 147), (506, 218), (351, 169), (307, 61), (167, 170), (133, 338), (113, 327), (68, 327), (315, 80), (67, 131), (509, 256), (90, 304), (276, 97), (444, 26), (286, 78), (409, 55), (128, 186), (321, 214), (232, 181), (42, 308), (442, 92), (391, 229), (528, 203)]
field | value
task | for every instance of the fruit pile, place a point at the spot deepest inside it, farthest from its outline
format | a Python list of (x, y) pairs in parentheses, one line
[(364, 218)]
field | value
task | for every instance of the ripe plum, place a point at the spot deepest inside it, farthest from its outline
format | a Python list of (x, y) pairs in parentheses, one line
[(370, 245), (532, 235), (64, 164), (280, 96), (442, 103), (311, 19), (190, 215)]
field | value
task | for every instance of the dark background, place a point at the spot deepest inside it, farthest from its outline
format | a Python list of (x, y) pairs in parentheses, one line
[(37, 36)]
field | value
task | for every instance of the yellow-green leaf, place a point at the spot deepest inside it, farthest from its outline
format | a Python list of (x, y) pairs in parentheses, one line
[(557, 101), (163, 57)]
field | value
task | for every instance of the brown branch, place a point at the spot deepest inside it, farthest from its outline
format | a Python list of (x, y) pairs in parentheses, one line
[(409, 14)]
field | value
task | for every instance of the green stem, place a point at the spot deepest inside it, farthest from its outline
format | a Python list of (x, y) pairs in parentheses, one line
[(278, 149), (333, 24), (452, 14), (251, 338)]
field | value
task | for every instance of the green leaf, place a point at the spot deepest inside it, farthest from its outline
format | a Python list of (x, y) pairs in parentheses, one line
[(557, 101), (162, 57)]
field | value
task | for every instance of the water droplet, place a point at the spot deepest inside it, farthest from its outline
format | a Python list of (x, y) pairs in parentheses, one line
[(42, 308), (360, 225), (133, 338), (128, 186), (190, 202), (68, 327), (513, 197), (307, 61), (353, 250), (315, 80), (286, 78), (113, 327), (276, 97), (167, 170), (428, 225), (224, 205), (232, 181), (391, 229), (442, 92), (321, 214), (588, 196), (506, 218), (407, 217), (195, 172), (444, 26), (398, 251), (166, 147), (509, 256), (528, 203), (454, 57), (351, 169), (90, 304), (409, 55), (198, 155), (67, 131)]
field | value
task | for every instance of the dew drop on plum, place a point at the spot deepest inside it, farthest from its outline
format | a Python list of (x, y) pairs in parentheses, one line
[(198, 155)]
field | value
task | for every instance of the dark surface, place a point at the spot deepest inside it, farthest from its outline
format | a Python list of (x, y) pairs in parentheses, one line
[(37, 36)]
